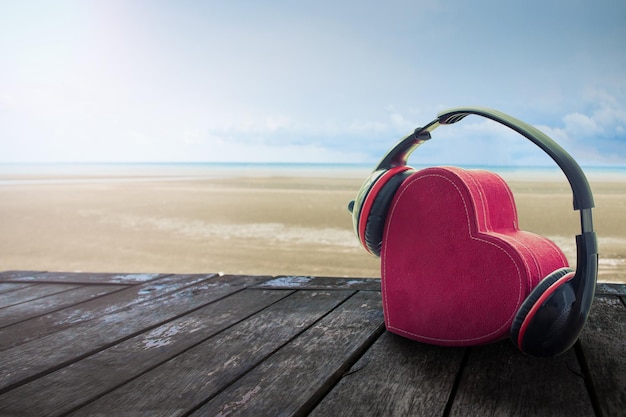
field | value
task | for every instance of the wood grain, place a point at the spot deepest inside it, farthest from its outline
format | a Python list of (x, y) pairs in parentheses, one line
[(297, 376), (603, 344), (12, 286), (396, 377), (81, 312), (48, 353), (40, 306), (27, 294), (289, 345), (79, 277), (187, 380), (78, 384), (498, 380)]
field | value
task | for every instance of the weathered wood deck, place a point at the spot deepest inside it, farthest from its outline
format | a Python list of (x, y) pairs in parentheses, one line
[(208, 345)]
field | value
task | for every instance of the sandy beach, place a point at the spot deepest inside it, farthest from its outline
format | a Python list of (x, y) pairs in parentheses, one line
[(243, 222)]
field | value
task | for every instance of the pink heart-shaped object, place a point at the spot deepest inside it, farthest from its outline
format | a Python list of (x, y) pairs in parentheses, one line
[(455, 266)]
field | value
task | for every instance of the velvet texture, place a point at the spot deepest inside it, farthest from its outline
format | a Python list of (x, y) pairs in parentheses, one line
[(455, 266)]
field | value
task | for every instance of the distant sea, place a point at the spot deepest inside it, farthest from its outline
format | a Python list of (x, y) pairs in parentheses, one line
[(21, 173)]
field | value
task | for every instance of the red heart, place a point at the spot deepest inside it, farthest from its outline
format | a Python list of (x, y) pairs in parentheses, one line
[(455, 266)]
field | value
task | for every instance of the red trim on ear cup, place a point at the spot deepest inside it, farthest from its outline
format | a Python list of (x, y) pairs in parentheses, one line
[(547, 293), (371, 197)]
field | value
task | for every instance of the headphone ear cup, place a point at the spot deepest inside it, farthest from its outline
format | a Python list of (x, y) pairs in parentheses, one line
[(377, 214), (356, 206), (531, 300)]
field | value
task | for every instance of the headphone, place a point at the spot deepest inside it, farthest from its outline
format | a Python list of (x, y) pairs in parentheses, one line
[(551, 318)]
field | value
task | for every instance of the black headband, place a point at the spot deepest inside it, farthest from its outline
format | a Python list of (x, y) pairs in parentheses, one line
[(583, 199)]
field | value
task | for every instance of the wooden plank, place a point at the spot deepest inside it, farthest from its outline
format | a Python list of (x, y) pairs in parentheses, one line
[(40, 306), (11, 286), (31, 293), (37, 357), (322, 283), (224, 367), (610, 289), (199, 373), (296, 377), (603, 344), (94, 376), (8, 275), (41, 326), (498, 380), (83, 278), (396, 377)]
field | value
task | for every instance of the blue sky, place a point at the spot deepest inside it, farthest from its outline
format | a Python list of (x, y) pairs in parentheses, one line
[(307, 81)]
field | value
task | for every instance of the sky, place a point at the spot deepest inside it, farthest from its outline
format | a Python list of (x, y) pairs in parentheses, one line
[(308, 81)]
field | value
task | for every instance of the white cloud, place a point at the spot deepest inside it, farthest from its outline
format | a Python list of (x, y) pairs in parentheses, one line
[(194, 79), (581, 124), (596, 136)]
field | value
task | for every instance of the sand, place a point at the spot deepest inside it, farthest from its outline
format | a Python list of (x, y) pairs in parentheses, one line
[(243, 223)]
